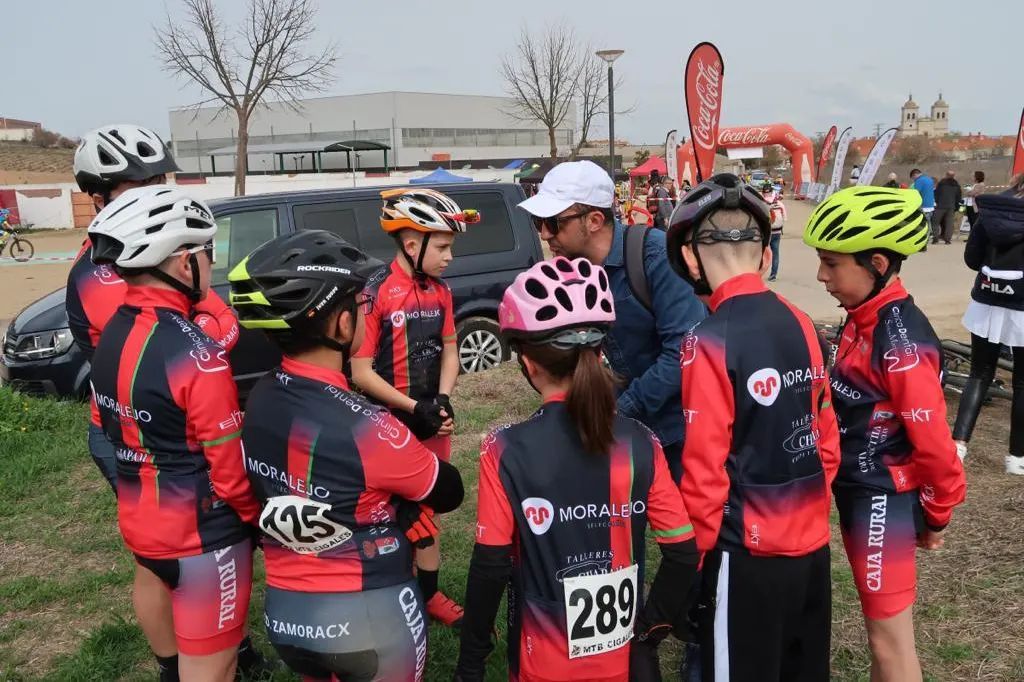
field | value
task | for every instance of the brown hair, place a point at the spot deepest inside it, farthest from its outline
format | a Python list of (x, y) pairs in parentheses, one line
[(591, 398), (1017, 184)]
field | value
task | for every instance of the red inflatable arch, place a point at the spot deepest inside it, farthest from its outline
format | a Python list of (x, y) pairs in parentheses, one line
[(799, 147)]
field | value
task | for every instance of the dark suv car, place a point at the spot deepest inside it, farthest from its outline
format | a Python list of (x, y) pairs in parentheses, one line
[(40, 358)]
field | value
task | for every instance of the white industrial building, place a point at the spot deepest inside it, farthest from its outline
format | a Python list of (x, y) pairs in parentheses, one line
[(330, 133)]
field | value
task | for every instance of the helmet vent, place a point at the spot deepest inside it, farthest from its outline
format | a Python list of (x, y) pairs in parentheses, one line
[(563, 298), (851, 232), (549, 272), (548, 312), (130, 203), (144, 150), (602, 279), (584, 268), (117, 136), (160, 209), (834, 227), (137, 251), (536, 289), (888, 215), (106, 159), (564, 266), (422, 215), (196, 223), (882, 202), (825, 214), (154, 228), (606, 306), (590, 296)]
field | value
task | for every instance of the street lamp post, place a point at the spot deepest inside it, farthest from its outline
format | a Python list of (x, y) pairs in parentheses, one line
[(610, 56)]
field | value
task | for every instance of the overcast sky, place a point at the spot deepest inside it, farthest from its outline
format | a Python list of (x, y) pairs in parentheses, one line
[(75, 65)]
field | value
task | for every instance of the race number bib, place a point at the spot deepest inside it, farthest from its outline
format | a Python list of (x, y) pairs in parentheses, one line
[(301, 524), (600, 611)]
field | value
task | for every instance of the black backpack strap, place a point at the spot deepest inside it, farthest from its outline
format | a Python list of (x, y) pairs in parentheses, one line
[(634, 247)]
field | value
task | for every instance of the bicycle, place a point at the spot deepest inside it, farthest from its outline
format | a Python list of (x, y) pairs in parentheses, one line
[(19, 248), (956, 364)]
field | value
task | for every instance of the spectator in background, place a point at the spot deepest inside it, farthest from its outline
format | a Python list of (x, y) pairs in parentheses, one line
[(778, 217), (925, 186), (893, 182), (659, 203), (855, 174), (978, 188), (948, 196)]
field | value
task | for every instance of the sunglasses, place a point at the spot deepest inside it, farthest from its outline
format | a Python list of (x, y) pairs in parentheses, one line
[(555, 223), (365, 301), (209, 247)]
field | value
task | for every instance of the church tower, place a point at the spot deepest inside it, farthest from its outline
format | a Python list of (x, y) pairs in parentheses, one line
[(908, 117), (940, 117)]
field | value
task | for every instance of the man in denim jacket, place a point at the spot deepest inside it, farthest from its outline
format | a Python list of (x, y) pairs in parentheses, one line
[(572, 212)]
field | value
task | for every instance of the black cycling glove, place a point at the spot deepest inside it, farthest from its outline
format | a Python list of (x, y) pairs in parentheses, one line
[(425, 421), (443, 400)]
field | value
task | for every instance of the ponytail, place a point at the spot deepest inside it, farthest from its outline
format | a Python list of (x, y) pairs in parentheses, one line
[(590, 401)]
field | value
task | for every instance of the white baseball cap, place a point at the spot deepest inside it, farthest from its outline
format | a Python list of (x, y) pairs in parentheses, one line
[(568, 183)]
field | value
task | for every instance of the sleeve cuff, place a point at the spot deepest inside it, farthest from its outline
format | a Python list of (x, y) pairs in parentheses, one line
[(627, 408)]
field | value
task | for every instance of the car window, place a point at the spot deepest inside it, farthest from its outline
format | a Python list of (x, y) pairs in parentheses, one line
[(238, 234), (337, 217), (494, 231)]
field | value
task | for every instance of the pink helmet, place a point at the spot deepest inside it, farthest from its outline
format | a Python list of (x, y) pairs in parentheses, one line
[(555, 296)]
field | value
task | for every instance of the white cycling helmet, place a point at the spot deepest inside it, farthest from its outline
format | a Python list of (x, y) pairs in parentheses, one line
[(118, 153), (423, 210), (144, 226)]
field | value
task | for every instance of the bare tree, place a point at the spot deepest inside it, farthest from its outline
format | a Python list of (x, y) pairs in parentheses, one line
[(269, 54), (911, 150), (543, 78)]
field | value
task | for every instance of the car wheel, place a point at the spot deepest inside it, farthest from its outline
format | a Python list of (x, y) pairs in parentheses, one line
[(481, 346)]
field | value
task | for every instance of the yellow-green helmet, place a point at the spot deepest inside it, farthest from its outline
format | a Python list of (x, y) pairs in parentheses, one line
[(865, 218)]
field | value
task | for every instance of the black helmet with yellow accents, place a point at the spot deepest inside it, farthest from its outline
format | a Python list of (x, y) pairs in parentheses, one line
[(291, 284)]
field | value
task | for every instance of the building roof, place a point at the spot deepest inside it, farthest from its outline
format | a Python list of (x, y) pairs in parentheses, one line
[(940, 102), (310, 147), (18, 124), (910, 103)]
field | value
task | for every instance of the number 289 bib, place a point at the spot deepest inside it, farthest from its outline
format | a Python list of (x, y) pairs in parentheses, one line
[(600, 611)]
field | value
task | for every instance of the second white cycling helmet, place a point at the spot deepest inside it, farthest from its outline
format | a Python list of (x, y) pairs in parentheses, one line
[(118, 153)]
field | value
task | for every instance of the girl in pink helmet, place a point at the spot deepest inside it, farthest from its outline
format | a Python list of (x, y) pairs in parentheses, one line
[(565, 499)]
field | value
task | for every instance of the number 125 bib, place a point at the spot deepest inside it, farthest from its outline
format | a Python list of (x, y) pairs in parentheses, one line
[(600, 611)]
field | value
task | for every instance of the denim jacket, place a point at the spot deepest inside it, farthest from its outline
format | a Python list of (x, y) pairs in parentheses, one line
[(644, 349)]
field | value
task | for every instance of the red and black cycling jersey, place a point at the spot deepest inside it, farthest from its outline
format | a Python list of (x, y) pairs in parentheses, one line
[(762, 445), (95, 292), (407, 330), (169, 406), (886, 383), (565, 513), (349, 461)]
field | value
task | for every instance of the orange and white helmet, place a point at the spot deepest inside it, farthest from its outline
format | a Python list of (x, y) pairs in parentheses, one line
[(423, 210)]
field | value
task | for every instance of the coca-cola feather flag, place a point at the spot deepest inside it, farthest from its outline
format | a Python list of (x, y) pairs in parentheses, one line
[(826, 151), (1018, 154), (704, 71)]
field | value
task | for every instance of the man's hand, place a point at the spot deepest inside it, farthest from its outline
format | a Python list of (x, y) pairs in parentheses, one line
[(931, 539), (429, 420)]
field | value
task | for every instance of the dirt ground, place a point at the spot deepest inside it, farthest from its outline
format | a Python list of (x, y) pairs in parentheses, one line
[(939, 280)]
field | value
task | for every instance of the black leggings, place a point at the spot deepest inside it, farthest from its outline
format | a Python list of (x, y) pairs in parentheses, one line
[(984, 359)]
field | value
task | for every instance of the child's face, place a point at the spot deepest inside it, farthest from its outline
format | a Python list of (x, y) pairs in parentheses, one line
[(438, 254), (847, 281)]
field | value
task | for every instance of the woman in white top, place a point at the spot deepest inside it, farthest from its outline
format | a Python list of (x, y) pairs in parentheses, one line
[(995, 315)]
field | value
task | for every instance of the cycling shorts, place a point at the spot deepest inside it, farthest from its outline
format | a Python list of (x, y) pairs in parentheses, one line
[(355, 636), (209, 596), (102, 452), (440, 446), (880, 535)]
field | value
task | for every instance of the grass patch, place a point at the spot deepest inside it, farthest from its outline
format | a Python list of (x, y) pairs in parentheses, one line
[(65, 612)]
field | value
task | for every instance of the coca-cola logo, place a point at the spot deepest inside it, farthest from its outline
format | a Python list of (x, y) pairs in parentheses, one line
[(707, 86), (744, 136), (793, 140)]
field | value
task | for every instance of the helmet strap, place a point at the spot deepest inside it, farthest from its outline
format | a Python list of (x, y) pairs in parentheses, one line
[(194, 292), (863, 259), (418, 268)]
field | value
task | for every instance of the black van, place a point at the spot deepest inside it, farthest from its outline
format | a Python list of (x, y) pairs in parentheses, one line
[(39, 358)]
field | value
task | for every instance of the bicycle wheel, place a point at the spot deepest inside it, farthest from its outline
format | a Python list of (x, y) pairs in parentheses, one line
[(956, 381), (22, 250)]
